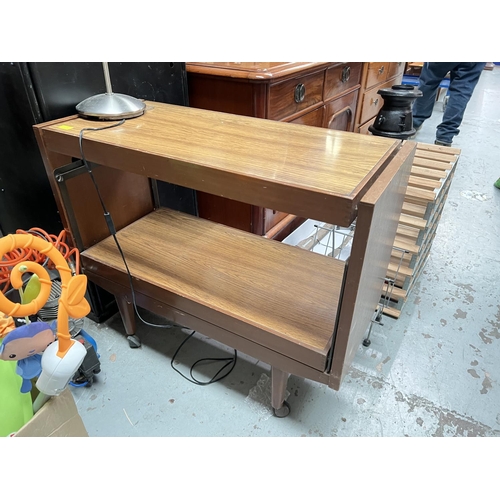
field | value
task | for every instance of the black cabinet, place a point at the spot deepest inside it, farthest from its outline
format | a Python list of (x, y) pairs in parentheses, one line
[(32, 93)]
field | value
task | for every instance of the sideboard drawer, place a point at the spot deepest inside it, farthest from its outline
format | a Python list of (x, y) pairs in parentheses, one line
[(313, 118), (341, 78), (372, 102), (339, 113), (377, 73), (395, 69), (294, 95), (364, 128)]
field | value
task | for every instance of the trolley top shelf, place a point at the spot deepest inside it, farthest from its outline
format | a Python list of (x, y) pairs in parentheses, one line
[(307, 171)]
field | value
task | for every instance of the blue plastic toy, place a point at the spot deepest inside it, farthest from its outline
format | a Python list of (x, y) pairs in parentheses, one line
[(25, 345)]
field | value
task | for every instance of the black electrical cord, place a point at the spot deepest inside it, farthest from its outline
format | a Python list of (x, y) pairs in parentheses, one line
[(109, 219), (112, 230), (215, 378)]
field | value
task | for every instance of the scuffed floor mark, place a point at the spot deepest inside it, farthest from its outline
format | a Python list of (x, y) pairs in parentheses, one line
[(486, 384), (473, 373), (426, 336), (126, 415), (469, 298), (475, 348), (474, 363), (495, 325), (449, 422), (443, 322), (484, 338), (420, 421), (360, 401), (475, 195), (460, 314), (439, 421)]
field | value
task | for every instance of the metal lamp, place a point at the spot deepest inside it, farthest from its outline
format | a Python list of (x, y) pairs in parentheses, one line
[(110, 106)]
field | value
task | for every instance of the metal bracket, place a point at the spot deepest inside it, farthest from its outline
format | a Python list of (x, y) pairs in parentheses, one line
[(61, 175)]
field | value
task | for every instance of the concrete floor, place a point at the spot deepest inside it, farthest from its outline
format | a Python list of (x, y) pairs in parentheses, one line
[(433, 372)]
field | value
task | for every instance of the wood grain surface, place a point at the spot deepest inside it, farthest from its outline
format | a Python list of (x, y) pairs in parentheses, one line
[(251, 70), (288, 293), (306, 171)]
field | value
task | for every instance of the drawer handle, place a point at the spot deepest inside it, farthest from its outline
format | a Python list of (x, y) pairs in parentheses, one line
[(300, 92), (375, 101), (381, 70), (346, 110), (346, 74)]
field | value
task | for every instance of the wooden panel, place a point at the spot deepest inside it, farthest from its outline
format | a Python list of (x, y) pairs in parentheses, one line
[(284, 227), (373, 240), (228, 338), (272, 217), (378, 72), (423, 183), (335, 79), (395, 69), (225, 211), (371, 104), (282, 101), (313, 118), (227, 95), (416, 231), (339, 113), (207, 269), (428, 173), (364, 128), (260, 71), (127, 197), (308, 171)]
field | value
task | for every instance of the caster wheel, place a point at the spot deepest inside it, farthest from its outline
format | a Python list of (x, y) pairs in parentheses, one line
[(367, 342), (284, 411), (133, 341), (96, 371)]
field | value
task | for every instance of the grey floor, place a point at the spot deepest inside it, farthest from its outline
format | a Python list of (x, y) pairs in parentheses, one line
[(433, 372)]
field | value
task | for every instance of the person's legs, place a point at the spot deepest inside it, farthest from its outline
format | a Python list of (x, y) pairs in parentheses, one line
[(431, 76), (463, 80)]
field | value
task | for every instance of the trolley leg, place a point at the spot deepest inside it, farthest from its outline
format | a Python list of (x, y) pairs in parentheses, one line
[(279, 381), (127, 314)]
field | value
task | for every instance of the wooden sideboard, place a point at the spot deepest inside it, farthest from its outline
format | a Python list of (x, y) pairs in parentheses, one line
[(298, 311), (318, 94), (375, 76)]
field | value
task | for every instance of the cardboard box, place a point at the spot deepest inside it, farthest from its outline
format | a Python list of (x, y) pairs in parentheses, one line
[(58, 417)]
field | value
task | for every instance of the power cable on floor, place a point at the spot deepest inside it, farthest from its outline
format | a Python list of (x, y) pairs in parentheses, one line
[(229, 361)]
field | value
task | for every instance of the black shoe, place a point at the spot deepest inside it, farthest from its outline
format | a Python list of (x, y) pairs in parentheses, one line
[(440, 143)]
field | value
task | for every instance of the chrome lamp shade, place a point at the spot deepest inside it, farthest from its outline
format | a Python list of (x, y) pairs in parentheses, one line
[(110, 106)]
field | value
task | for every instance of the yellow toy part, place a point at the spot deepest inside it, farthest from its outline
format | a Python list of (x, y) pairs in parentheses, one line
[(72, 301)]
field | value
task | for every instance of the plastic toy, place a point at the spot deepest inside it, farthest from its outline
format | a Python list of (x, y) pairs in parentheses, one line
[(16, 408), (25, 345), (62, 358)]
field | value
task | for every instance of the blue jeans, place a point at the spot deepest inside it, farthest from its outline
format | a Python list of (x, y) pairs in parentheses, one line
[(463, 79)]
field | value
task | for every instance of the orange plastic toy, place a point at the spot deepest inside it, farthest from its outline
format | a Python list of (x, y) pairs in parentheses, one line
[(72, 302)]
